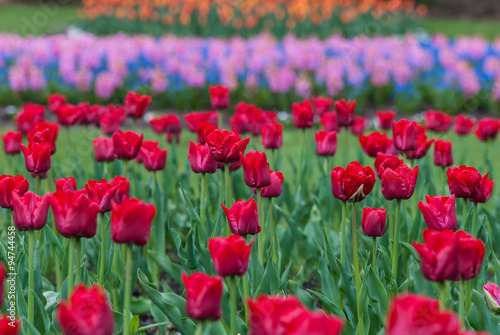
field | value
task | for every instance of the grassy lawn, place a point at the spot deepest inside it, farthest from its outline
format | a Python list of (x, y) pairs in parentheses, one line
[(457, 27)]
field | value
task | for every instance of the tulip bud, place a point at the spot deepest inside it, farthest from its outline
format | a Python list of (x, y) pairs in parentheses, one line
[(326, 143), (226, 146), (243, 217), (492, 297), (276, 188), (471, 254), (230, 255), (102, 192), (374, 143), (201, 159), (405, 135), (384, 161), (44, 131), (437, 121), (272, 135), (385, 119), (131, 221), (484, 191), (153, 158), (37, 157), (127, 144), (439, 212), (10, 185), (399, 183), (55, 101), (443, 154), (373, 221), (66, 184), (30, 113), (30, 210), (345, 112), (487, 129), (219, 96), (203, 296), (136, 104), (68, 115), (359, 125), (464, 181), (12, 142), (256, 169), (329, 121), (303, 114), (353, 183), (193, 119), (422, 147), (322, 105), (463, 125), (104, 149)]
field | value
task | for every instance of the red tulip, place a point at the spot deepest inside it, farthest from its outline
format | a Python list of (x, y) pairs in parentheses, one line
[(44, 131), (316, 322), (492, 297), (10, 185), (74, 213), (412, 314), (471, 254), (373, 221), (322, 105), (399, 183), (87, 312), (240, 121), (384, 161), (153, 158), (226, 146), (385, 119), (326, 143), (30, 113), (173, 127), (345, 112), (230, 255), (68, 115), (88, 115), (127, 144), (443, 153), (37, 157), (55, 101), (303, 115), (272, 135), (103, 193), (422, 147), (485, 190), (487, 129), (203, 296), (8, 326), (353, 183), (12, 142), (219, 97), (66, 184), (439, 212), (201, 159), (374, 143), (276, 188), (205, 129), (405, 135), (243, 218), (256, 169), (110, 122), (136, 104), (359, 125), (194, 118), (463, 125), (104, 149), (131, 221), (437, 121), (329, 121), (464, 181), (439, 255), (158, 124), (122, 188)]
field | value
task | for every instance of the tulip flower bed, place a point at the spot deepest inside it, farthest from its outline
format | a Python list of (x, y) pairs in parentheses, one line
[(378, 226), (443, 73)]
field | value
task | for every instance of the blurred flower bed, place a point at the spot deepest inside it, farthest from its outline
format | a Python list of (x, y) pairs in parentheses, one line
[(407, 72), (225, 18)]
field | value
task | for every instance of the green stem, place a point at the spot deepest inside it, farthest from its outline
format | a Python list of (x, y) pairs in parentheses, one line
[(391, 226), (125, 168), (234, 306), (374, 254), (467, 296), (475, 219), (202, 198), (272, 227), (221, 192), (464, 214), (356, 269), (199, 328), (128, 291), (346, 145), (102, 263), (227, 184), (260, 236), (273, 159), (444, 179), (71, 264), (31, 283), (342, 232), (461, 303), (442, 295), (78, 259), (396, 242), (246, 294), (37, 184)]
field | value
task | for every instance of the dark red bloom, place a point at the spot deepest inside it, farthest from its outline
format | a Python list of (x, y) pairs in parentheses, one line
[(10, 185), (412, 314), (326, 143), (303, 114), (203, 296), (329, 121), (9, 327), (30, 113), (173, 127), (68, 115), (485, 189), (66, 184), (385, 119), (437, 121), (243, 218), (55, 101), (131, 221), (226, 146), (463, 125), (153, 158), (384, 161), (136, 104), (74, 214), (37, 157), (201, 159), (12, 142), (110, 122), (374, 143), (103, 193), (193, 119), (87, 311), (353, 183), (30, 211), (487, 128), (230, 255), (104, 149), (443, 153), (422, 147), (471, 254), (256, 169), (272, 135), (439, 255), (127, 144), (322, 105), (88, 115), (439, 212), (276, 188), (373, 221), (241, 121), (405, 135), (122, 188), (219, 96), (345, 112), (399, 183), (464, 181), (44, 131), (359, 125)]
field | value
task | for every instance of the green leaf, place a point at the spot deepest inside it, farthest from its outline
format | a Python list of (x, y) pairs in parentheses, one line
[(171, 269), (377, 292), (480, 318)]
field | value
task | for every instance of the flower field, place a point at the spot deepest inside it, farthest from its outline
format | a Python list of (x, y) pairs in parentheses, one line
[(320, 221), (407, 72)]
